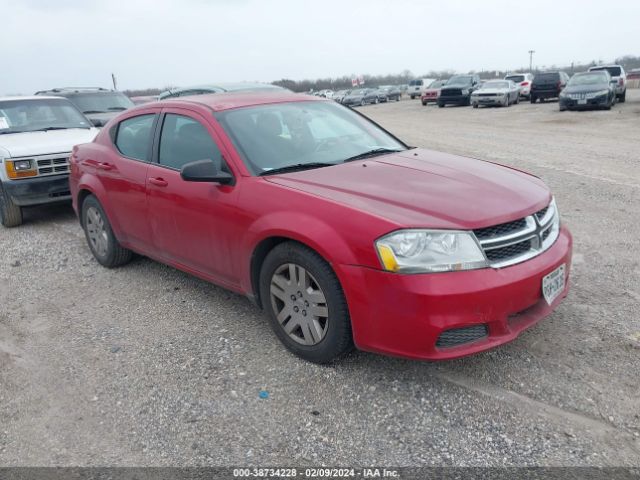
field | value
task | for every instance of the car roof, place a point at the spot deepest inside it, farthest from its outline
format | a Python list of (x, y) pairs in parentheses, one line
[(228, 101), (225, 87), (76, 90), (33, 97)]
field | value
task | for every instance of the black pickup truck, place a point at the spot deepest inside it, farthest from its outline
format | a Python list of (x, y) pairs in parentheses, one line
[(457, 90)]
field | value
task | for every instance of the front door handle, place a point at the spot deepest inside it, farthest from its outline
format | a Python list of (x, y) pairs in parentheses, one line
[(104, 166), (158, 182)]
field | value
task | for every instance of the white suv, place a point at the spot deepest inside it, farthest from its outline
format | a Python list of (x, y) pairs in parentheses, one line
[(618, 76), (36, 138), (524, 80)]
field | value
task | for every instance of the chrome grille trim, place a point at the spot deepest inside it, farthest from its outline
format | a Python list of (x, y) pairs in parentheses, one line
[(52, 164), (539, 231)]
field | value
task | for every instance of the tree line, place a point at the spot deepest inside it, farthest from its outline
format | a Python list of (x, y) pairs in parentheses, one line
[(629, 62)]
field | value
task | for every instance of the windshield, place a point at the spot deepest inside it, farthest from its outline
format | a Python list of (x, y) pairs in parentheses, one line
[(596, 78), (515, 78), (360, 91), (28, 115), (437, 84), (495, 85), (613, 71), (101, 102), (460, 80), (415, 83), (279, 135)]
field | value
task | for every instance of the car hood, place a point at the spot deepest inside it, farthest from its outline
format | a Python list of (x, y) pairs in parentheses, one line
[(492, 90), (43, 143), (458, 85), (423, 188), (586, 88)]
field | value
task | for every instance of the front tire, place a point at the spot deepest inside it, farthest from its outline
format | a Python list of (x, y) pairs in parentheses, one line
[(440, 105), (305, 303), (102, 242), (532, 99), (10, 213)]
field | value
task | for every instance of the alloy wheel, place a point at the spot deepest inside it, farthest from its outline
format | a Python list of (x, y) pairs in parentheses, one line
[(300, 304), (97, 232)]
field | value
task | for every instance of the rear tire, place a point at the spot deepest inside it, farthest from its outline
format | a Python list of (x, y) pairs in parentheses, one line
[(319, 337), (622, 98), (102, 242), (10, 213)]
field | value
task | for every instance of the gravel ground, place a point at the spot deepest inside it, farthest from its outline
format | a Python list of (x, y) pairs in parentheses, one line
[(145, 365)]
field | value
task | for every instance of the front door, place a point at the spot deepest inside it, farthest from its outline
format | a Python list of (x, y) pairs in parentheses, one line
[(191, 222)]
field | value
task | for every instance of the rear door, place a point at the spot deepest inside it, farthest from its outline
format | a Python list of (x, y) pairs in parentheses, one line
[(124, 175), (192, 223)]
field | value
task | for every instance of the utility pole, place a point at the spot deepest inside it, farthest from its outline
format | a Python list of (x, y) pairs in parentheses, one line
[(531, 52), (115, 83)]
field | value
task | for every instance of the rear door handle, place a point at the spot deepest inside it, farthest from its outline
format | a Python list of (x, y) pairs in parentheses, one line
[(159, 182)]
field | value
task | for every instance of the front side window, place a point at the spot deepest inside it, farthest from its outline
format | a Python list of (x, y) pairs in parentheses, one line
[(18, 116), (271, 137), (133, 138), (184, 140)]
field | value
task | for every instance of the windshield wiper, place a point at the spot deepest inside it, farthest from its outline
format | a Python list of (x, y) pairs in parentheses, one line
[(94, 111), (118, 109), (46, 129), (295, 167), (371, 153)]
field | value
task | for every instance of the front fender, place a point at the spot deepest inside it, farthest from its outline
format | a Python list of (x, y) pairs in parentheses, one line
[(306, 229)]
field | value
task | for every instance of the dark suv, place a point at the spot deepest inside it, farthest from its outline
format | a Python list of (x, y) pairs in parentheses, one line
[(457, 90), (548, 85), (98, 104)]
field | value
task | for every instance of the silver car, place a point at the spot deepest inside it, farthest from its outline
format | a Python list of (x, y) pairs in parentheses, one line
[(497, 93)]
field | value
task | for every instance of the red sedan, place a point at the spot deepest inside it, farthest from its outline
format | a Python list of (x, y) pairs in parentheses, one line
[(340, 231)]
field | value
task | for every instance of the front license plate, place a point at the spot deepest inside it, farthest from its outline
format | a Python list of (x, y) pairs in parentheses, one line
[(582, 102), (553, 284)]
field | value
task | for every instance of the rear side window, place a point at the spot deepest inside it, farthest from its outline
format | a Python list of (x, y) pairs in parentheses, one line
[(134, 136), (185, 140)]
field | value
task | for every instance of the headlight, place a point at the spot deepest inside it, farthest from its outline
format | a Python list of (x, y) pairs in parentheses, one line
[(465, 91), (20, 168), (563, 94), (421, 251)]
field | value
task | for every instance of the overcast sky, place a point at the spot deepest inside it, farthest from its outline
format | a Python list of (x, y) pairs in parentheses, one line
[(48, 43)]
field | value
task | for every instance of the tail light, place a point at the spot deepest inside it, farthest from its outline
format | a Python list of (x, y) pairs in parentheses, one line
[(524, 84), (559, 85), (621, 81)]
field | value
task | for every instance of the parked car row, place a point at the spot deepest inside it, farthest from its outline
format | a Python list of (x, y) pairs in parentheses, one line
[(600, 87)]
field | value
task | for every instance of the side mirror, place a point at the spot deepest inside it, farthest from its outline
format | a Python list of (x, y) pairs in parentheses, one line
[(204, 171), (96, 122)]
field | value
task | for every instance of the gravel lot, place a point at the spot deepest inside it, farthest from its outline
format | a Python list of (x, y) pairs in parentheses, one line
[(145, 365)]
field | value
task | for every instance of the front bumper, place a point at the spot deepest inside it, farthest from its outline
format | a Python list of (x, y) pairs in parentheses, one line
[(454, 100), (597, 102), (38, 190), (404, 315), (488, 100)]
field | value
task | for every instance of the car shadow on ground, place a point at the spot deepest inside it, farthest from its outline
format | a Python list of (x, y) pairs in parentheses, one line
[(47, 213)]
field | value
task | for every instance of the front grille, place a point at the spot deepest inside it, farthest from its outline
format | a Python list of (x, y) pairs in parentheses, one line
[(460, 336), (488, 95), (450, 92), (516, 241), (500, 230), (508, 252), (54, 164)]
